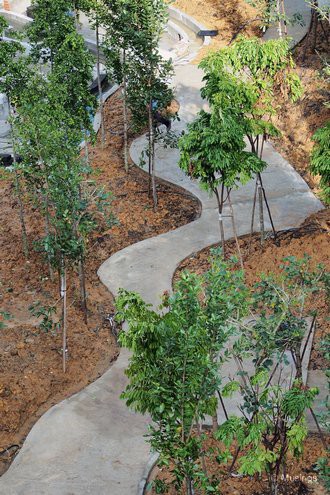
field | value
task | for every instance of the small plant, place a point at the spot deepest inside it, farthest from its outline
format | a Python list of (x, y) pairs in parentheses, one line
[(320, 160), (274, 397), (47, 323), (323, 467), (4, 316)]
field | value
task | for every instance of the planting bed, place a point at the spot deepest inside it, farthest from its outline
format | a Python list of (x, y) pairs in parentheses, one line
[(312, 238), (298, 121), (227, 16), (302, 478), (30, 360)]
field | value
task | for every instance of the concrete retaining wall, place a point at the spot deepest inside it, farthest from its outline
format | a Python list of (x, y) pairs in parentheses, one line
[(190, 22)]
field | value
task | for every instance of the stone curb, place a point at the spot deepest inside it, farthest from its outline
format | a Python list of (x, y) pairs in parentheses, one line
[(149, 467), (20, 19), (188, 21)]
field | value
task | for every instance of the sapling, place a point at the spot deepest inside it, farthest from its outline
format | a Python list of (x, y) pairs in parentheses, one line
[(320, 160), (177, 352), (213, 151), (274, 399), (273, 12), (14, 72), (243, 80)]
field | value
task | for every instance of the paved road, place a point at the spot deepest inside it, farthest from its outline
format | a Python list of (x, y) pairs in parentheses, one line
[(91, 443)]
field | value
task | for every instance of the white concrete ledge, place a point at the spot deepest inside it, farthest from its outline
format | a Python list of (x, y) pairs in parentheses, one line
[(188, 21), (19, 20)]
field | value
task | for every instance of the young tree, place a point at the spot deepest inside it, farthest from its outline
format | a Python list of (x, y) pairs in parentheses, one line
[(121, 22), (177, 352), (320, 160), (273, 401), (52, 23), (14, 73), (133, 34), (213, 152), (243, 80)]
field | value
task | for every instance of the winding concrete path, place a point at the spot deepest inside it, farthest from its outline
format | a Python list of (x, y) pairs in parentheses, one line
[(91, 443)]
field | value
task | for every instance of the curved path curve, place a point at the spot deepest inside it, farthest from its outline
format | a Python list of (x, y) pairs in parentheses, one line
[(91, 443)]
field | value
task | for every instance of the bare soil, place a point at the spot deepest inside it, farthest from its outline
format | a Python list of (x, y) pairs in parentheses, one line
[(31, 376), (299, 121), (312, 239), (228, 16), (301, 476)]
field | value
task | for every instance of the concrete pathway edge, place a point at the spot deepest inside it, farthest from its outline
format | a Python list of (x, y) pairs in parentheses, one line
[(91, 443)]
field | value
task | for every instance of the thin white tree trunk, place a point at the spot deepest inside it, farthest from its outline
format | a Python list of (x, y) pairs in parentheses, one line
[(125, 113), (99, 84), (235, 229), (261, 212), (278, 9), (83, 293), (64, 314), (18, 190), (152, 156)]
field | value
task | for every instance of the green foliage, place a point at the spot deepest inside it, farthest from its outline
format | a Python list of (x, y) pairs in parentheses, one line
[(176, 353), (135, 28), (323, 11), (244, 78), (4, 316), (176, 360), (14, 66), (45, 312), (280, 303), (320, 160), (271, 13), (273, 406), (53, 22), (72, 71), (213, 151)]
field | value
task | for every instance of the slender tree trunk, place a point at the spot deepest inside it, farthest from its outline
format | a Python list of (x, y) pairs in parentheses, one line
[(267, 206), (189, 486), (273, 483), (278, 9), (152, 156), (199, 430), (99, 84), (86, 149), (234, 229), (18, 189), (125, 113), (64, 313), (83, 293), (220, 210), (316, 21), (47, 231), (285, 25), (261, 212), (253, 213), (298, 362)]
